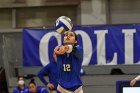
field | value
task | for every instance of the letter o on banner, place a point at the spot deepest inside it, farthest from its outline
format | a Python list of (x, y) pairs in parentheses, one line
[(43, 46)]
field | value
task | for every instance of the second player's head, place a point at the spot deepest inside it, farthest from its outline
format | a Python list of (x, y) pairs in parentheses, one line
[(70, 37), (32, 86), (21, 81)]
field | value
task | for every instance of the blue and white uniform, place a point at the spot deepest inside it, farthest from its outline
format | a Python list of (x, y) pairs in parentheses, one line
[(69, 66), (17, 90)]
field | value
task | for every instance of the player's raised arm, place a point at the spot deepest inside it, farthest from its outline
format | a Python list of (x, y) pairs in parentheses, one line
[(59, 50)]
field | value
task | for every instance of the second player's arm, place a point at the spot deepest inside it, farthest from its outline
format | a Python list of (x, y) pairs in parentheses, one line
[(133, 82)]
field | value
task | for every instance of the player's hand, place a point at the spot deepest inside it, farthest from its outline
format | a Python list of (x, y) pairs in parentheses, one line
[(59, 50), (50, 85), (133, 82)]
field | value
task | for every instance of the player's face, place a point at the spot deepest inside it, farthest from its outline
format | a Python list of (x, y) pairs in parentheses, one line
[(69, 38), (33, 88), (20, 81)]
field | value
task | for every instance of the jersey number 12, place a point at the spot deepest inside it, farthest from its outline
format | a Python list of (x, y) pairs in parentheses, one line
[(66, 67)]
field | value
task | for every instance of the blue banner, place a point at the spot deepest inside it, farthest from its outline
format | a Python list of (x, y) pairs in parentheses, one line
[(102, 45)]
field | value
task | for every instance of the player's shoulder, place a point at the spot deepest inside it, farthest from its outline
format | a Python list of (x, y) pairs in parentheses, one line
[(26, 87), (26, 90), (78, 47), (41, 89), (15, 89)]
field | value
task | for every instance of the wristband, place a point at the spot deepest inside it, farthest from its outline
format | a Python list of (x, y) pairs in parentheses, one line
[(70, 49)]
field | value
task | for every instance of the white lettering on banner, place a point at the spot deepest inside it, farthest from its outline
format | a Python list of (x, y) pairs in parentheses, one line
[(129, 50), (114, 61), (43, 46), (87, 46), (101, 54)]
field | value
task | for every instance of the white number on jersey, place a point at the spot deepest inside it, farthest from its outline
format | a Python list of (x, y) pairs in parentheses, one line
[(66, 67)]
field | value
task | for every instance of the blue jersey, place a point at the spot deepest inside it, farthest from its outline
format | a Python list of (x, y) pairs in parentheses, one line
[(69, 66), (39, 90), (51, 70), (17, 90)]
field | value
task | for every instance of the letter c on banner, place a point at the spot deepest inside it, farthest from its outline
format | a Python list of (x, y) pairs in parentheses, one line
[(43, 46), (87, 47)]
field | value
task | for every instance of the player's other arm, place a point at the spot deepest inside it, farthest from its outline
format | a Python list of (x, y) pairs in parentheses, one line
[(41, 76), (59, 50), (133, 82), (77, 50), (63, 49)]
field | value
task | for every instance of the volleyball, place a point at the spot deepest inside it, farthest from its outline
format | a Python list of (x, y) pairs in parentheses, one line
[(63, 24)]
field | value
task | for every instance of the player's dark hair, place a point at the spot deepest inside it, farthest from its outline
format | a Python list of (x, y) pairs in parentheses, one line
[(20, 77), (75, 38), (32, 81)]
